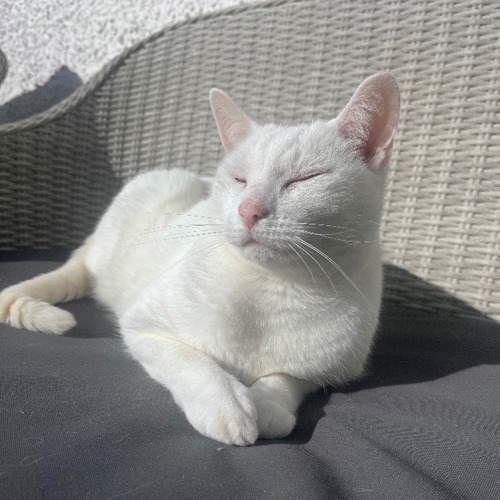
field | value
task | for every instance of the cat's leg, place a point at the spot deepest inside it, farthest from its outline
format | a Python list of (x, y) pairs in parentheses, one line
[(215, 403), (29, 304), (277, 398)]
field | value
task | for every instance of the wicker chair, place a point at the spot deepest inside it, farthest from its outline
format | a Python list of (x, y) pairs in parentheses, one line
[(283, 61)]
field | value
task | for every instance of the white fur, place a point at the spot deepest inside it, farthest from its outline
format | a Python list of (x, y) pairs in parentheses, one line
[(238, 325)]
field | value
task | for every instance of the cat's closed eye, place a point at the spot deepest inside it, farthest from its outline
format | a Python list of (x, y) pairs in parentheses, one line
[(295, 180), (240, 180)]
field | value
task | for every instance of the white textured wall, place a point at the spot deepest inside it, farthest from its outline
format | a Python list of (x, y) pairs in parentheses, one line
[(40, 36)]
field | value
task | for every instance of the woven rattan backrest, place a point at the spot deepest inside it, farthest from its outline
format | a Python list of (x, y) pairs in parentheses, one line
[(288, 61)]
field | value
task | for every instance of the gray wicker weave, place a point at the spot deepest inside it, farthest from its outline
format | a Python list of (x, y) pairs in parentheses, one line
[(289, 61)]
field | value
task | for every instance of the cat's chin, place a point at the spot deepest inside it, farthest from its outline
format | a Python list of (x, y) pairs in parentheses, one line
[(258, 252)]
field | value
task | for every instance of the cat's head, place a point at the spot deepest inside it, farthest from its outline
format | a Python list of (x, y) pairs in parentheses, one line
[(280, 188)]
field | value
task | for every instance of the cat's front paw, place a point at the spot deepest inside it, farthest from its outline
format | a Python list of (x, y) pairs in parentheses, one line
[(226, 414), (273, 421)]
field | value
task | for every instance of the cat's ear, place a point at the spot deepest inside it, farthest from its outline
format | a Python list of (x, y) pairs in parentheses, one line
[(371, 117), (233, 124)]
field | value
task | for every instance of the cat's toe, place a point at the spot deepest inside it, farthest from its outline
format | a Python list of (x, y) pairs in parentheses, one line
[(273, 421), (7, 298), (231, 426), (241, 432), (226, 416)]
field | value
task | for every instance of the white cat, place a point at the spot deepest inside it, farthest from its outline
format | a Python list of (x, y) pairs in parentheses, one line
[(242, 294)]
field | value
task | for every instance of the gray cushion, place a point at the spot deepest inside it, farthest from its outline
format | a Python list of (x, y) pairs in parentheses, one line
[(79, 418)]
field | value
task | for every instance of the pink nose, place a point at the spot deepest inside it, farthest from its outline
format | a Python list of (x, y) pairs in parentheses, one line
[(251, 213)]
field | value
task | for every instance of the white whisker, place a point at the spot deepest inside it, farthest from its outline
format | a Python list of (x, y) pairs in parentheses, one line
[(331, 237), (319, 265), (177, 237), (312, 224), (209, 247), (341, 271), (302, 259), (293, 257), (156, 229), (192, 215)]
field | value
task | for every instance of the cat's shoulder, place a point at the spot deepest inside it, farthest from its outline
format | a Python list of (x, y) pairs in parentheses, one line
[(156, 186), (166, 178)]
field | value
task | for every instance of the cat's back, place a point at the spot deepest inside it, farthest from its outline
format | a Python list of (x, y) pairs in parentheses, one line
[(125, 254)]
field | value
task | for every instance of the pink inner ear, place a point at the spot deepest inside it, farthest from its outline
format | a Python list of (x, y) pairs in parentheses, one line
[(233, 124), (232, 129), (383, 124), (371, 117)]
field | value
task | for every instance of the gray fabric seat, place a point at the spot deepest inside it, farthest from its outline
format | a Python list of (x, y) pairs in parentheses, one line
[(80, 419)]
